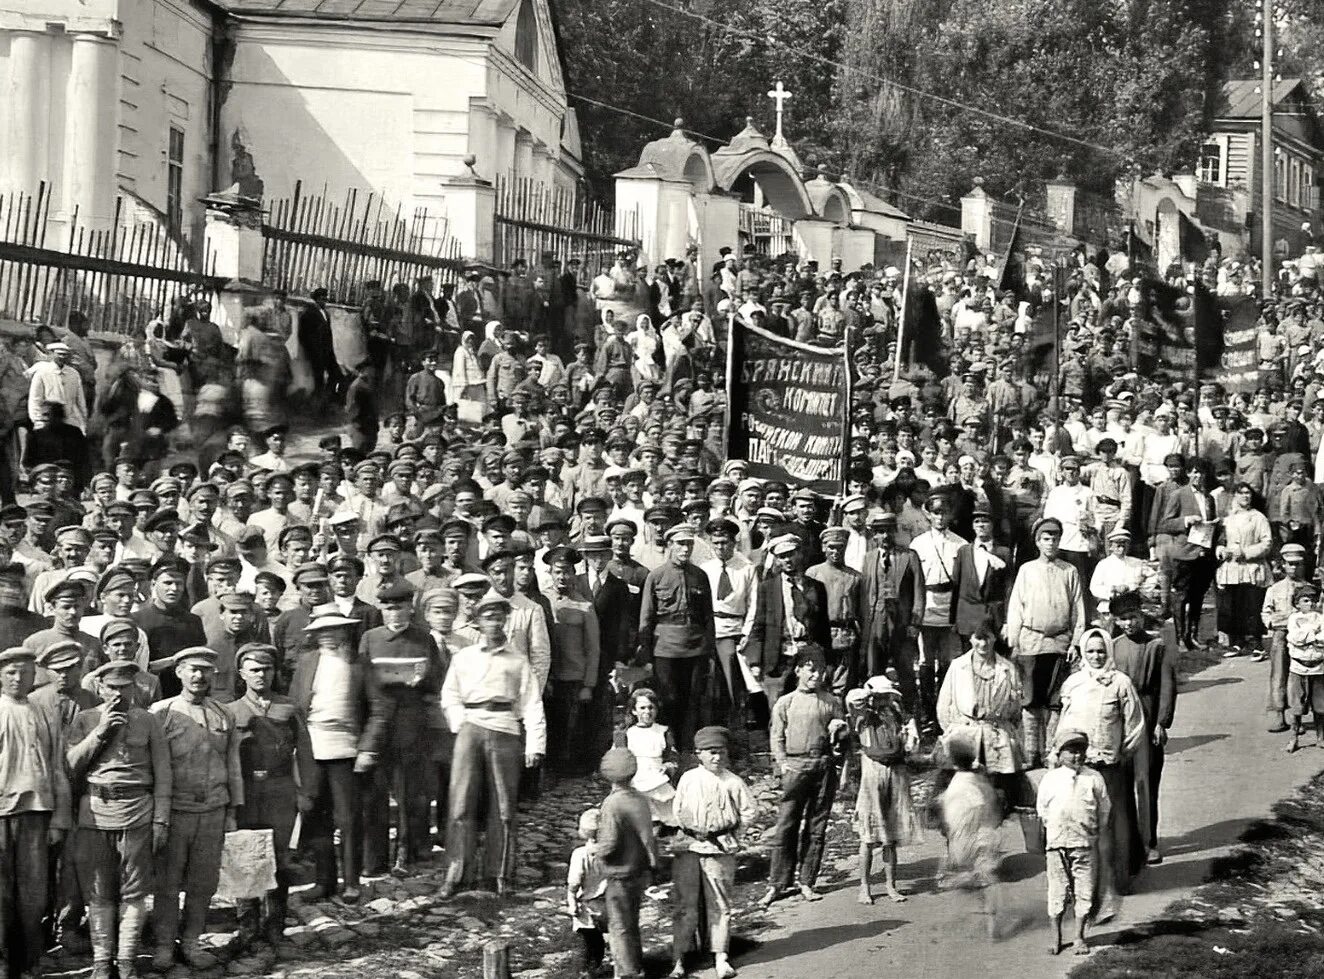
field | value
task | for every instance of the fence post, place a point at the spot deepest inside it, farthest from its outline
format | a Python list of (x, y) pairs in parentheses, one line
[(471, 215)]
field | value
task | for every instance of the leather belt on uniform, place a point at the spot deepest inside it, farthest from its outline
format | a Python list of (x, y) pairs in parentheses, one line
[(728, 615), (263, 774), (942, 586), (1110, 501), (503, 706), (116, 793)]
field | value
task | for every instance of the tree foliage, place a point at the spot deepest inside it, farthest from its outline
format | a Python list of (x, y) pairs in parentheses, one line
[(1132, 83)]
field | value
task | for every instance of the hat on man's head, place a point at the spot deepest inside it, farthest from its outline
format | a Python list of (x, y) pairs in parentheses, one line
[(264, 654), (712, 738), (618, 765), (61, 654), (118, 627), (195, 655), (1069, 736)]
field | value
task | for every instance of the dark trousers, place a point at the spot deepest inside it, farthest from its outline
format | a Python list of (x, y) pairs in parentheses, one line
[(1190, 581), (680, 686), (941, 645), (485, 769), (891, 646), (623, 899), (23, 888), (566, 717), (192, 864), (808, 788), (337, 807), (399, 773)]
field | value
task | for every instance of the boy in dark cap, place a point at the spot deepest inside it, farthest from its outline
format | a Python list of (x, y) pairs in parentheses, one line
[(626, 851), (119, 753)]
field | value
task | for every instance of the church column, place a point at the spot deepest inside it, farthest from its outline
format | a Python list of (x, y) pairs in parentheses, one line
[(505, 147), (524, 156), (483, 138), (27, 143), (91, 129)]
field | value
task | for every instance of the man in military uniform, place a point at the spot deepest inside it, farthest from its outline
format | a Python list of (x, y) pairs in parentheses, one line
[(34, 811), (62, 662), (576, 654), (207, 787), (119, 753), (407, 666), (677, 634), (273, 742)]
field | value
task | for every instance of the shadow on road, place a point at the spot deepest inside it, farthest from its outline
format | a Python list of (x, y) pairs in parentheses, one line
[(1176, 746), (1190, 686), (814, 939)]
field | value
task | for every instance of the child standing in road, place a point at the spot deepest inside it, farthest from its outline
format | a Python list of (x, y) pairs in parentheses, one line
[(585, 895), (884, 813), (655, 754), (1277, 610), (1073, 804), (1305, 649)]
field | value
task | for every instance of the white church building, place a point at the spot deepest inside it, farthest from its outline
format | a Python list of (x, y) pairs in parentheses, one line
[(161, 102)]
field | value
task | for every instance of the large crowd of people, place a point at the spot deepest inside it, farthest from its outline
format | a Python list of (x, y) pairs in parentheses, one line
[(527, 556)]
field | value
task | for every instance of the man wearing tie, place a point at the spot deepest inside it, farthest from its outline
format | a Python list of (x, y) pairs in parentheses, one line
[(981, 580), (618, 618), (792, 611), (939, 645), (892, 598), (859, 542), (735, 582)]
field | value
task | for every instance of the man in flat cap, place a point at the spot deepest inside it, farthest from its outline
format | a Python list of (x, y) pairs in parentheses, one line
[(71, 548), (490, 697), (166, 620), (273, 747), (576, 657), (842, 585), (677, 634), (61, 663), (892, 603), (66, 601), (408, 668), (118, 752), (1045, 618), (35, 808), (207, 787), (792, 611)]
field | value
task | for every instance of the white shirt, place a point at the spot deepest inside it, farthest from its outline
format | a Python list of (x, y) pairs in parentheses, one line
[(332, 717), (51, 384), (733, 615), (985, 558), (1072, 506), (476, 675), (936, 550)]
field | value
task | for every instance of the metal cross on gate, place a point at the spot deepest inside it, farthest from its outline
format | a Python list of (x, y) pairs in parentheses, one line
[(779, 95)]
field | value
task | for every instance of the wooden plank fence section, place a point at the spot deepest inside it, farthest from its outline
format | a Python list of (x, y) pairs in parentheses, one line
[(534, 221), (120, 277), (312, 243)]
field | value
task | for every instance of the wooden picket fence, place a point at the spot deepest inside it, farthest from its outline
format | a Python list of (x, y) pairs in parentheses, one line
[(312, 242), (547, 227), (120, 276)]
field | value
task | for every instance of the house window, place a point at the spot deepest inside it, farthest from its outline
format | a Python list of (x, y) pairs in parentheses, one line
[(1213, 162), (1294, 191), (175, 180), (526, 36), (1280, 176), (1307, 186)]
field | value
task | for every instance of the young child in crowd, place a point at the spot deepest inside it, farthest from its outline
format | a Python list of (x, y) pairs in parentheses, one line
[(626, 851), (972, 814), (1305, 650), (585, 895), (714, 808), (884, 813), (1278, 607), (654, 752), (1073, 804)]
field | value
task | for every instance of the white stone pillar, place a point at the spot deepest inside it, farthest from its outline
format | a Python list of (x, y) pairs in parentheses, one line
[(483, 138), (505, 148), (543, 166), (524, 156), (977, 215), (471, 215), (675, 236), (91, 129), (815, 239), (719, 226), (24, 161)]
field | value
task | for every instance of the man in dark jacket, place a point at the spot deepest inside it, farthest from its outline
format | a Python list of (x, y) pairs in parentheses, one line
[(314, 331), (981, 579), (892, 608), (772, 646)]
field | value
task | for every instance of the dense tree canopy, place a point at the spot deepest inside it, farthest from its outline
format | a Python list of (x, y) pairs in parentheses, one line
[(1103, 87)]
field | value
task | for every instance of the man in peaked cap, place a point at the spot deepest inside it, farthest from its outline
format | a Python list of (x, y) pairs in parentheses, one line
[(842, 585), (408, 667), (166, 620), (577, 653), (273, 746), (676, 633), (119, 753), (206, 790), (490, 697)]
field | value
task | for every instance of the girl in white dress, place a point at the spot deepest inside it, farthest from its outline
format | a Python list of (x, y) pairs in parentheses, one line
[(653, 749)]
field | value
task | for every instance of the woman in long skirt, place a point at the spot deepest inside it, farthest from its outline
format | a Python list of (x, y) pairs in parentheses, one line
[(1243, 572)]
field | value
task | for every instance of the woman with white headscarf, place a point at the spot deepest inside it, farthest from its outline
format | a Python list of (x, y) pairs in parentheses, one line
[(646, 342), (468, 379), (1101, 700)]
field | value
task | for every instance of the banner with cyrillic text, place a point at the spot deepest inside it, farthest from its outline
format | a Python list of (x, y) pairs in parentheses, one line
[(786, 408)]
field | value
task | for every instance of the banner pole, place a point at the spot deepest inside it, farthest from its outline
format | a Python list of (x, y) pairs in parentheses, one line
[(730, 360), (847, 409), (1055, 382), (901, 327)]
